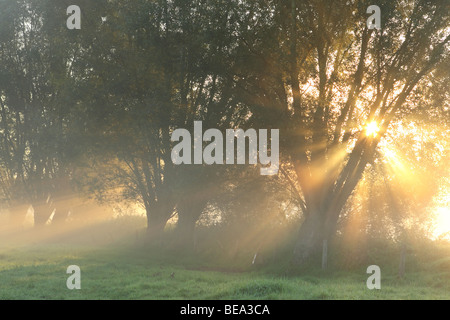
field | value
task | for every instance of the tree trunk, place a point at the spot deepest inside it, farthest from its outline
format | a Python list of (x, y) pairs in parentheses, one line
[(188, 214), (155, 229), (42, 212), (321, 224), (310, 239), (157, 217), (315, 234)]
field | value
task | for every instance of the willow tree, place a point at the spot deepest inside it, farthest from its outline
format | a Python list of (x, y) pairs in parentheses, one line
[(334, 87), (147, 68), (35, 98)]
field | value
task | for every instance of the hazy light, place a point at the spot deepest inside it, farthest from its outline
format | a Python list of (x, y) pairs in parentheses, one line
[(372, 129), (442, 217)]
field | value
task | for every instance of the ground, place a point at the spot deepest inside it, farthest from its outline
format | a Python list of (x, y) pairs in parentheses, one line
[(110, 272)]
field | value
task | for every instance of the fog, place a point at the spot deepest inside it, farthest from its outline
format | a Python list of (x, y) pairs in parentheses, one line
[(80, 222)]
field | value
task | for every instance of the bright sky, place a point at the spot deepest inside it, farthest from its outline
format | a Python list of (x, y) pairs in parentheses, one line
[(442, 222)]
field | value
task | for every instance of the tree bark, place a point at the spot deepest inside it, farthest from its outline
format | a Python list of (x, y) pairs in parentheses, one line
[(42, 212), (188, 214), (330, 198), (310, 237), (157, 217)]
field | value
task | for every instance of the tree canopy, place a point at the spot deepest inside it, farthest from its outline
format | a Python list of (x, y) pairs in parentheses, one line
[(92, 110)]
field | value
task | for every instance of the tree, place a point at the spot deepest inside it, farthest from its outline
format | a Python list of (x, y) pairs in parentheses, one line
[(34, 102), (335, 88), (158, 66)]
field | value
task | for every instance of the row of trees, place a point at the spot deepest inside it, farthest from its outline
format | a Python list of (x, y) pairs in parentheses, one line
[(92, 110)]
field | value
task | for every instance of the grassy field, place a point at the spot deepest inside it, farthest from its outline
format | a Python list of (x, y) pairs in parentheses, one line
[(39, 272), (115, 265)]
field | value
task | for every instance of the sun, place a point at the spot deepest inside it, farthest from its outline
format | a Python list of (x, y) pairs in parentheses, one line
[(372, 129)]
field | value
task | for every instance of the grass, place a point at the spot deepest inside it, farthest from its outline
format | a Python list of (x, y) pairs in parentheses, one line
[(115, 265), (127, 272)]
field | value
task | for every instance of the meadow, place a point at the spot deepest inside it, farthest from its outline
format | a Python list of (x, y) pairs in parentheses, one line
[(124, 268)]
